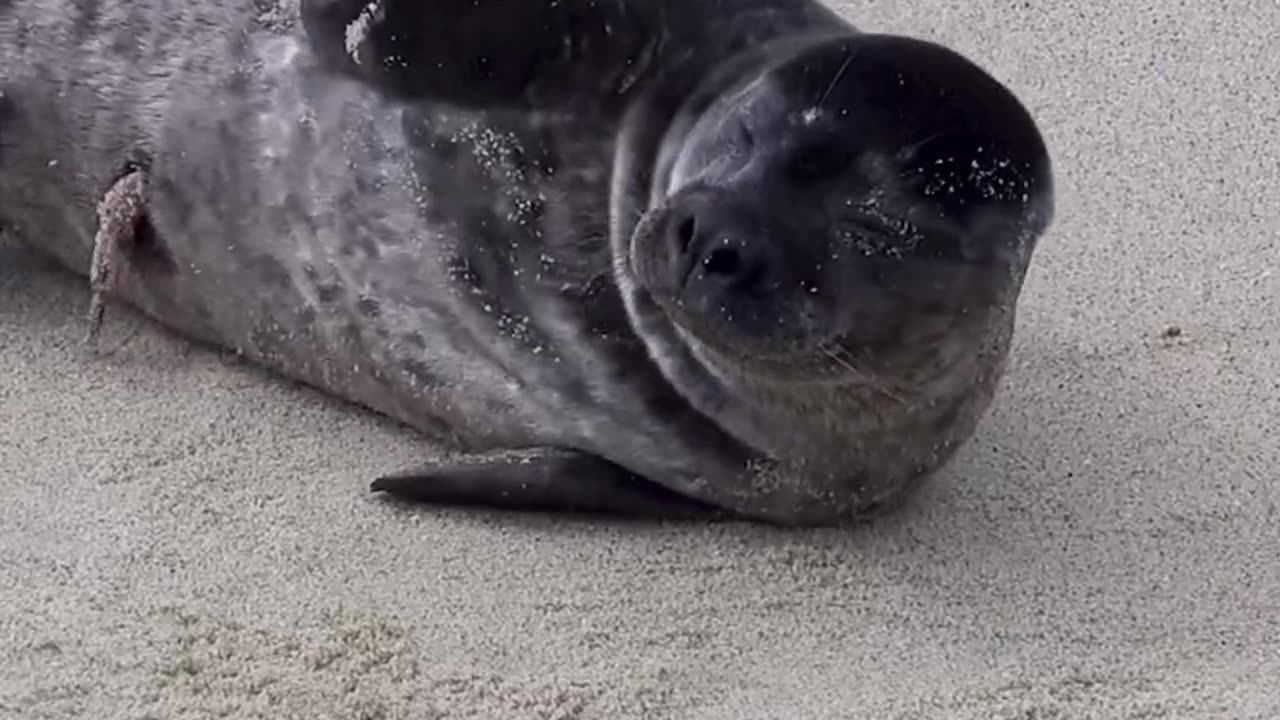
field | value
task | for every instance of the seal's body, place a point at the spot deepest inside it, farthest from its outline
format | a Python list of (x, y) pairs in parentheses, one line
[(651, 257)]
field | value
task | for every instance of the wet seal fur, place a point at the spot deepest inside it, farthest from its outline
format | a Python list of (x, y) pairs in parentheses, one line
[(667, 258)]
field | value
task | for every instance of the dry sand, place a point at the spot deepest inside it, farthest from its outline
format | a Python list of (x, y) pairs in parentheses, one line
[(184, 538)]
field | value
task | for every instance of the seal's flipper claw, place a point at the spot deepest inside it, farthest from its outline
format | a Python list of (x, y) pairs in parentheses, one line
[(541, 479), (119, 213)]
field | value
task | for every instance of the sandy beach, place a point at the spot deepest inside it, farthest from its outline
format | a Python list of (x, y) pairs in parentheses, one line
[(185, 537)]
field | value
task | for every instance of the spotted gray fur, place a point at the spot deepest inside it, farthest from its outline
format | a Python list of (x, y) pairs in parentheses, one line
[(460, 268)]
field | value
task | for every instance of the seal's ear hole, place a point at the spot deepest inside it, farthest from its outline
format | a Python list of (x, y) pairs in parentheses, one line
[(743, 137)]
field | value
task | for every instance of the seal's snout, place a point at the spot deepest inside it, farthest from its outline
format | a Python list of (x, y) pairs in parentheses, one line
[(717, 257)]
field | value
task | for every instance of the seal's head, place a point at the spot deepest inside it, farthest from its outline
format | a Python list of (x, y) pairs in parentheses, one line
[(861, 212)]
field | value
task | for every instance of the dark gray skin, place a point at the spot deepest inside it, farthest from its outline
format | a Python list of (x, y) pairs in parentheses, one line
[(664, 258)]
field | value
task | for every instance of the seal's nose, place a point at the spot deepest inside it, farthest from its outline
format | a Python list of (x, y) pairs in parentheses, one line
[(720, 254)]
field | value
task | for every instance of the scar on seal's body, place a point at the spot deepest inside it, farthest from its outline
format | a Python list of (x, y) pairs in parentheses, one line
[(121, 214)]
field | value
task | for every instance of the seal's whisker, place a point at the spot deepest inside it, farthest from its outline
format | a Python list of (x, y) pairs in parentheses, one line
[(915, 147), (844, 67), (847, 363)]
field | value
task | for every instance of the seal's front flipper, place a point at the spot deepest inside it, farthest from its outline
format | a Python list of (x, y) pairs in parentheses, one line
[(120, 213), (541, 479), (487, 53)]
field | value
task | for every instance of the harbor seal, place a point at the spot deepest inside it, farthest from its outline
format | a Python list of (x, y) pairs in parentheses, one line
[(674, 259)]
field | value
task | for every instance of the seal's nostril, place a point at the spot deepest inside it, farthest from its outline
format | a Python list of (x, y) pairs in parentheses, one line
[(722, 261), (685, 232)]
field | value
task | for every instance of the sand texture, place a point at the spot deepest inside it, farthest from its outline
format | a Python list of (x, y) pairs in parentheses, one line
[(185, 537)]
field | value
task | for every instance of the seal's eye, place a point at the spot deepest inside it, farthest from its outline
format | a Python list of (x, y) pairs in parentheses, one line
[(817, 162)]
